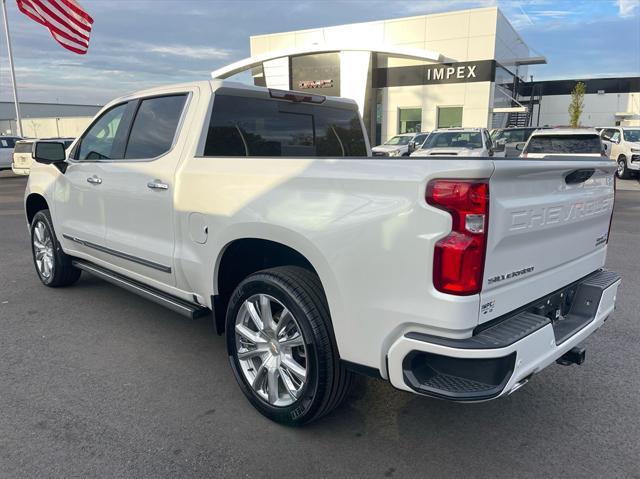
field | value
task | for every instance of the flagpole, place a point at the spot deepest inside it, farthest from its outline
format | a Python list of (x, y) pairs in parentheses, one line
[(13, 73)]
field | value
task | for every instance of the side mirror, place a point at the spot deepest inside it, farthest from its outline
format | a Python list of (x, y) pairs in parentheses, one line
[(48, 152), (412, 146), (520, 146)]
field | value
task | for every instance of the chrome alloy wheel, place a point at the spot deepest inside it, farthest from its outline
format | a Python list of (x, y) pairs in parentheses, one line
[(271, 350), (43, 250), (621, 167)]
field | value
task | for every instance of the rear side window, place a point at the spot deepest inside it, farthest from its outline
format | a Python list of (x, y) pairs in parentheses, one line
[(154, 126), (580, 144), (243, 126), (7, 142), (22, 148)]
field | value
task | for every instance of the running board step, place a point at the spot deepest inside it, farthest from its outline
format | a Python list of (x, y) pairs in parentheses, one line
[(178, 305)]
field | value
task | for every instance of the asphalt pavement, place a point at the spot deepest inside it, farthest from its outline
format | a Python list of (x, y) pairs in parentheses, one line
[(97, 382)]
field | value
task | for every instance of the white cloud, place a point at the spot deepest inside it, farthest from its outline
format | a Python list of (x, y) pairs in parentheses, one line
[(552, 13), (190, 52), (626, 8), (430, 6)]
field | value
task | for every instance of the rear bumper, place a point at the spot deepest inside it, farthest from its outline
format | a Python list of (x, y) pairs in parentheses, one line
[(501, 358)]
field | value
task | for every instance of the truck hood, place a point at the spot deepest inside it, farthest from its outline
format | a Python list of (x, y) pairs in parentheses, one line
[(388, 148)]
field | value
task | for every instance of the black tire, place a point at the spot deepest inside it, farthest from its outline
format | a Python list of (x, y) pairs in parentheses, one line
[(62, 273), (327, 382), (623, 172)]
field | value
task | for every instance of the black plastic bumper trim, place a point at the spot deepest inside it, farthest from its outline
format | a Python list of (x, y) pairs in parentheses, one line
[(457, 379), (362, 369), (515, 326)]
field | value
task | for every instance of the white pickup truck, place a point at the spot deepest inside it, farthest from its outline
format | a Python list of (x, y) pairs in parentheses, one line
[(457, 278)]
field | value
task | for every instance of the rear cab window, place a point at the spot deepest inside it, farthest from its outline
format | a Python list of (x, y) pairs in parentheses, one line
[(565, 144), (23, 147), (244, 126)]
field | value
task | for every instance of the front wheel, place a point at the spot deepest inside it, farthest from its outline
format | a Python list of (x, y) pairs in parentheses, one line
[(623, 171), (281, 346), (53, 266)]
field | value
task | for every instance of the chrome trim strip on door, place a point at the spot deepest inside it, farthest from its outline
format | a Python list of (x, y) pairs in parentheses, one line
[(120, 254)]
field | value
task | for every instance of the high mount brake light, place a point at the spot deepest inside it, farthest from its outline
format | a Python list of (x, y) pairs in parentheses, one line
[(296, 97), (458, 262)]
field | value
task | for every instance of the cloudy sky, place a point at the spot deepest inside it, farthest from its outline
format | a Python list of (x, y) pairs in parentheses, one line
[(140, 43)]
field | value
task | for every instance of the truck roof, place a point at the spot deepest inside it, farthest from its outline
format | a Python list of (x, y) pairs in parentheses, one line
[(564, 131)]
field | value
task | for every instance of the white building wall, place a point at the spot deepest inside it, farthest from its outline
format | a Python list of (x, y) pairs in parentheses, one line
[(48, 127), (599, 110), (459, 36), (276, 73)]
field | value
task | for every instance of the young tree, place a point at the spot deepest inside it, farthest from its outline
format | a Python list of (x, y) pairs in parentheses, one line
[(577, 104)]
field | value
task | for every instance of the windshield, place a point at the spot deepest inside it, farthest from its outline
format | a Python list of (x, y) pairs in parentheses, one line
[(577, 144), (398, 140), (453, 139), (513, 136), (631, 135)]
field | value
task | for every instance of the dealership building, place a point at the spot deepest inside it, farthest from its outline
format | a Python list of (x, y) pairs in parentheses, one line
[(465, 68), (42, 120)]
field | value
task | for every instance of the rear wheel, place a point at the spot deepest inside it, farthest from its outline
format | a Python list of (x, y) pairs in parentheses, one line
[(623, 172), (281, 346), (53, 266)]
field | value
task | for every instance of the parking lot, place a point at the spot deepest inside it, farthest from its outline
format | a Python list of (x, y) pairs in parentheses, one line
[(97, 382)]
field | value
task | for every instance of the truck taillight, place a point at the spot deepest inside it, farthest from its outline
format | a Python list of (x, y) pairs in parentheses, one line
[(458, 262)]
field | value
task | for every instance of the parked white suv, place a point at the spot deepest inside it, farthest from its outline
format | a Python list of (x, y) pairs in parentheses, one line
[(7, 144), (457, 142), (260, 207), (22, 157), (622, 144), (400, 145)]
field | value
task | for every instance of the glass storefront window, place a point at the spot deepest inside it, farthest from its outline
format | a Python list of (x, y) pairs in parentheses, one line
[(410, 120), (449, 116)]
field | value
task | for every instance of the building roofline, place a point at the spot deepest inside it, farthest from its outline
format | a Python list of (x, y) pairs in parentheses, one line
[(56, 104), (250, 62)]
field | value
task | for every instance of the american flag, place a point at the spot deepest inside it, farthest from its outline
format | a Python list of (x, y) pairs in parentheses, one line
[(67, 22)]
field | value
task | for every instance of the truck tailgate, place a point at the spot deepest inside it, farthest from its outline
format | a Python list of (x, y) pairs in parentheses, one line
[(548, 226)]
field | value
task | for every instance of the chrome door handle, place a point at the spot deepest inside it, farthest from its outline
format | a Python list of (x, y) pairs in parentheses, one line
[(94, 180), (157, 185)]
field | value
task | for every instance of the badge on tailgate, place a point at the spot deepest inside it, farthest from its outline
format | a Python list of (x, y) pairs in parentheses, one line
[(513, 274)]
